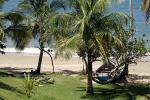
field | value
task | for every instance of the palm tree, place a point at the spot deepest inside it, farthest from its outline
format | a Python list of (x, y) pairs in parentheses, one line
[(17, 30), (1, 17), (92, 28), (146, 8), (40, 13)]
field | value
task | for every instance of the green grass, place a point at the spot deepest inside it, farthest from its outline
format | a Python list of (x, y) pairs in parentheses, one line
[(70, 88)]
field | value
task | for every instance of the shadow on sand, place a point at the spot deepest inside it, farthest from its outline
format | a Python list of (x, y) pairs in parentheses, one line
[(119, 92), (13, 71), (70, 72)]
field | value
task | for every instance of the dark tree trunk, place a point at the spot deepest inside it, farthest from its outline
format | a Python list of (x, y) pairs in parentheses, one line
[(89, 88), (126, 71), (84, 69), (38, 70)]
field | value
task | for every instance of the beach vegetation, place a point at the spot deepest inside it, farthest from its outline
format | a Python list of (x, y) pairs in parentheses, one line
[(40, 14), (93, 31), (87, 29), (146, 9), (11, 25), (17, 30), (28, 85)]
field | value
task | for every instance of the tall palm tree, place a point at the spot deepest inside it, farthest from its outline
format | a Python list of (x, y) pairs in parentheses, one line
[(17, 30), (40, 13), (92, 28), (12, 25)]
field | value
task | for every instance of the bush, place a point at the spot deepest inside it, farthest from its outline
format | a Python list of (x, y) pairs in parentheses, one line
[(28, 85)]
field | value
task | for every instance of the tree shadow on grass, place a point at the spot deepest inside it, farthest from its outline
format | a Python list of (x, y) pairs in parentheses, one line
[(9, 88), (5, 74), (128, 92), (2, 98)]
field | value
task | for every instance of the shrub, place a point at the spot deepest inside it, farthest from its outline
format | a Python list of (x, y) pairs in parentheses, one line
[(28, 85)]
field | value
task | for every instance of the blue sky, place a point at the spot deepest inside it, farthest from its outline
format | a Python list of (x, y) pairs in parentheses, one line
[(10, 5)]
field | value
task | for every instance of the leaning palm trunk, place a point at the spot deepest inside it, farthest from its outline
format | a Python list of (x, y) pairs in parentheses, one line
[(53, 67), (52, 63)]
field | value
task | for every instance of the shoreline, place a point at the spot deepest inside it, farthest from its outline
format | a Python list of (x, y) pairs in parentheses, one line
[(25, 63), (25, 59)]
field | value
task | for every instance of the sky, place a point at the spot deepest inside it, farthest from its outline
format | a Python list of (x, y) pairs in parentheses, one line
[(10, 5)]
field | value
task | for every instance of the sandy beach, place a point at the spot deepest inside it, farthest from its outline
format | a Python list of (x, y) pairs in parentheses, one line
[(19, 62)]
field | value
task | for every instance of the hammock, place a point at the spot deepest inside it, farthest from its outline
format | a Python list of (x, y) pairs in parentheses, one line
[(108, 74)]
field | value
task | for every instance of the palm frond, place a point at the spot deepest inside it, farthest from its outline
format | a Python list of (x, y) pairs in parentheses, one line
[(102, 50), (99, 6), (14, 17), (146, 8), (20, 35), (119, 18), (1, 33)]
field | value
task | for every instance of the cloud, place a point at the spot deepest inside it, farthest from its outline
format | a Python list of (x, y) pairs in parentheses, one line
[(120, 1)]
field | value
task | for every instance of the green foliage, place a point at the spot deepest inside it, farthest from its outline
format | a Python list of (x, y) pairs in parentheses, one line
[(135, 47), (90, 28), (16, 29), (139, 47), (28, 85), (44, 80), (41, 14), (2, 15), (146, 8)]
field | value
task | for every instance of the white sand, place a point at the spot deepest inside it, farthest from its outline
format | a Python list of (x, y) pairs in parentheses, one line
[(25, 61)]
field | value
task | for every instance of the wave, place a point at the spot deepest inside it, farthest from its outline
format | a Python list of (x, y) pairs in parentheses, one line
[(34, 51)]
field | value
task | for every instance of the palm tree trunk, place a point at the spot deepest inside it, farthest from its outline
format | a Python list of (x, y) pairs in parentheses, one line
[(126, 71), (89, 88), (52, 62), (38, 70), (53, 67), (86, 64)]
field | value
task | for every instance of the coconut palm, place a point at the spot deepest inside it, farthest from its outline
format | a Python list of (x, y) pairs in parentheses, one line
[(40, 13), (12, 25), (17, 30), (146, 8), (91, 30), (1, 17)]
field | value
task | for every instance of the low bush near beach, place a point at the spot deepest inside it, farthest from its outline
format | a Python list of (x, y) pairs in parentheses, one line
[(44, 80), (28, 85)]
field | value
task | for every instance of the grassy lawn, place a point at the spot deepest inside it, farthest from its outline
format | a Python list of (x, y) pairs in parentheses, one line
[(70, 88)]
